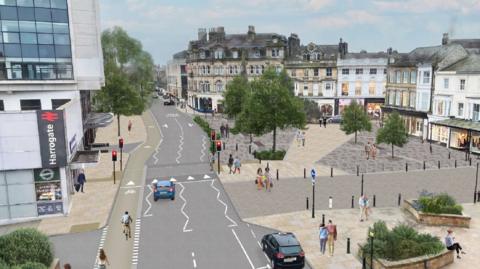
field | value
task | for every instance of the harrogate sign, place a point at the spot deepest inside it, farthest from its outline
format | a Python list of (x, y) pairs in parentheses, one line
[(51, 134)]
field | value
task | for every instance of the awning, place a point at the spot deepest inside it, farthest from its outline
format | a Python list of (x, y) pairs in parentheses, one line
[(85, 158), (97, 120), (460, 124)]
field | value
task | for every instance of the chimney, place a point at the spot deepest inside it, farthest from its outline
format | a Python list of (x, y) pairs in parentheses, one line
[(293, 45), (202, 34), (212, 34), (342, 48), (220, 33), (389, 51), (445, 39), (251, 32)]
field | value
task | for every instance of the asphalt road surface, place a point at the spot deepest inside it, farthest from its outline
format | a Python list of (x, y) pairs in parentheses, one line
[(200, 228)]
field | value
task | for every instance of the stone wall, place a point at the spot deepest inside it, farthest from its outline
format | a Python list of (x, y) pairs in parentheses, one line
[(437, 219)]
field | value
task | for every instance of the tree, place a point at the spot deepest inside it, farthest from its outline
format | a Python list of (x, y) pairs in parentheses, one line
[(393, 132), (355, 120), (129, 75), (236, 95), (271, 106), (26, 245), (312, 111)]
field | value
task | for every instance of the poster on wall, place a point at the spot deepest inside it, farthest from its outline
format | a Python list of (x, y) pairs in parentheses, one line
[(48, 191), (50, 208), (51, 135)]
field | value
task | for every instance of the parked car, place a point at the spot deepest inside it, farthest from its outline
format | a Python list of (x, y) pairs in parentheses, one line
[(283, 250), (163, 189), (168, 102), (155, 95), (335, 119)]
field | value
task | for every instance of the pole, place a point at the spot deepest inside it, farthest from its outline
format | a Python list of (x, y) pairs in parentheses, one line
[(323, 219), (476, 185), (114, 179), (331, 171), (218, 161), (313, 200), (121, 159), (348, 245), (361, 190), (371, 251), (353, 199), (307, 202)]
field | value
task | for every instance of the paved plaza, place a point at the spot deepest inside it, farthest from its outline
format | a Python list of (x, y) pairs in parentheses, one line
[(349, 155)]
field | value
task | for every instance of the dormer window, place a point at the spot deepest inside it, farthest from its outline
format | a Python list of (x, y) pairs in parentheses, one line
[(202, 55), (235, 54), (256, 53), (219, 54), (275, 52)]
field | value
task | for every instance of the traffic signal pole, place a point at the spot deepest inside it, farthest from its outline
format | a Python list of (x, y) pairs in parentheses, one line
[(218, 161), (114, 179), (114, 159)]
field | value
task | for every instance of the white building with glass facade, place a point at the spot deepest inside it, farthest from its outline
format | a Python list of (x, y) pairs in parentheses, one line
[(50, 62)]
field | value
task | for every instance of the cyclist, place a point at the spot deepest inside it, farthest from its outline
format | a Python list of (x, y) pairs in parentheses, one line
[(126, 220)]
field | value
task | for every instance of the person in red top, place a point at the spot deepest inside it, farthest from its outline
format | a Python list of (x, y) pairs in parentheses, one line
[(332, 236)]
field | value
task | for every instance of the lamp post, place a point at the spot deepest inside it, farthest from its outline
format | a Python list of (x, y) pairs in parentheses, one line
[(371, 249), (476, 186)]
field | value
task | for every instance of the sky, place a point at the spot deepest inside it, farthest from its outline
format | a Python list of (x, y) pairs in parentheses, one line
[(166, 26)]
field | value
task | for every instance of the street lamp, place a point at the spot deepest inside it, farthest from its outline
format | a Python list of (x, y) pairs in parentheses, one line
[(371, 249)]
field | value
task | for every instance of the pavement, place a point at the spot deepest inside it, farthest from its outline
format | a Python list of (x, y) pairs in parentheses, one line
[(305, 228)]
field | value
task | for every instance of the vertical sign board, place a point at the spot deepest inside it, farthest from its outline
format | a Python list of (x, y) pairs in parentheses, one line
[(51, 135)]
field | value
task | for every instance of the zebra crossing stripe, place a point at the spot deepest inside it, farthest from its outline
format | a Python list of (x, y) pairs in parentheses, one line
[(136, 241), (103, 237)]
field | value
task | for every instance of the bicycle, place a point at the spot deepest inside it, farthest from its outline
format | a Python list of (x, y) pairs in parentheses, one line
[(127, 231)]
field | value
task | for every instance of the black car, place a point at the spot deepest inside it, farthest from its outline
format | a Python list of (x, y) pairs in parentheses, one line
[(168, 102), (283, 250)]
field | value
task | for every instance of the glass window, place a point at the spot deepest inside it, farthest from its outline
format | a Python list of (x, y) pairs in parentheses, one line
[(44, 27), (358, 71), (462, 84), (46, 51), (25, 3), (426, 77), (63, 51), (345, 71), (405, 76), (63, 40), (2, 108), (27, 26), (42, 3), (460, 109), (45, 39), (43, 14), (373, 71), (30, 104), (28, 38), (62, 4), (412, 99), (8, 13), (329, 71), (11, 38), (315, 72), (26, 14), (8, 2), (397, 98), (59, 15), (60, 28), (345, 89), (10, 26), (56, 103), (391, 77), (24, 210), (405, 101), (413, 77), (29, 51), (397, 77), (476, 112)]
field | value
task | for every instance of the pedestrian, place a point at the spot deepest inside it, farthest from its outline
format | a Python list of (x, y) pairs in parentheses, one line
[(237, 164), (81, 179), (325, 122), (366, 206), (129, 126), (227, 131), (451, 244), (67, 266), (102, 260), (259, 179), (303, 139), (222, 130), (367, 150), (230, 163), (298, 137), (374, 151), (361, 206), (323, 234), (268, 180), (332, 236)]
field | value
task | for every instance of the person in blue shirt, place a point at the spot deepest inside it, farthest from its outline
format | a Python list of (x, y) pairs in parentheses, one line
[(323, 237), (81, 179), (451, 244)]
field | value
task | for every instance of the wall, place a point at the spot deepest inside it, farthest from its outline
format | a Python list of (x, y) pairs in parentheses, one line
[(12, 100), (73, 125), (365, 63)]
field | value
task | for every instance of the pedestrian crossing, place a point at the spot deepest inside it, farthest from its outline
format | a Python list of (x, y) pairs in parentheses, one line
[(136, 241), (103, 237)]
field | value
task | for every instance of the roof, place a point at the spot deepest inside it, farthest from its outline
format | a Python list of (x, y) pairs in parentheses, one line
[(365, 55), (180, 55), (459, 123), (466, 43), (286, 239), (470, 64), (442, 56), (243, 41)]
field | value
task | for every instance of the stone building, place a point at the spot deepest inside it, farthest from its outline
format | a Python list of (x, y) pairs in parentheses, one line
[(216, 58)]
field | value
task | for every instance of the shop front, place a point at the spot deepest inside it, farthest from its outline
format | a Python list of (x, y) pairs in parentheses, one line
[(373, 106), (342, 103), (459, 139), (440, 134), (475, 142)]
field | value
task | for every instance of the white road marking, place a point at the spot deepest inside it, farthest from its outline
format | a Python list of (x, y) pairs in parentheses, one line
[(190, 125), (145, 214), (190, 178), (243, 249), (130, 183), (197, 181), (165, 125), (253, 234), (234, 224), (136, 241), (130, 192), (193, 254), (159, 142), (185, 230), (172, 115), (194, 263), (180, 146), (258, 243), (204, 147), (147, 147), (265, 267), (206, 176)]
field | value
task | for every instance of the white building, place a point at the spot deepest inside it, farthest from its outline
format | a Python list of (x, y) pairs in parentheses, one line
[(362, 77), (177, 75), (50, 61)]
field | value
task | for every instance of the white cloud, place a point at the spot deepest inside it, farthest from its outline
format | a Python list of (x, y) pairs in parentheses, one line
[(415, 6), (348, 19)]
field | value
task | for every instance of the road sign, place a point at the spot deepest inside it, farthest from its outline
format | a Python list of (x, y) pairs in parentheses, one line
[(314, 174)]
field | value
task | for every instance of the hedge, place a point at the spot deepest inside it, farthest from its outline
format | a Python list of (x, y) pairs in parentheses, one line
[(26, 245), (31, 265), (439, 204), (203, 124), (269, 155)]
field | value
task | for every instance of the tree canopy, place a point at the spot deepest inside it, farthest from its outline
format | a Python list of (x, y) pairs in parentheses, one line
[(236, 96), (355, 119), (393, 132), (312, 111)]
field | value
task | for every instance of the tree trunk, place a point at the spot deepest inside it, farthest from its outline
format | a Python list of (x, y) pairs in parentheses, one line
[(392, 151), (118, 124), (251, 138), (274, 139), (355, 137)]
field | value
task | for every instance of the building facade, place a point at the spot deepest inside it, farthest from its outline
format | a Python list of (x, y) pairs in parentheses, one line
[(215, 59), (177, 78), (50, 62), (362, 77)]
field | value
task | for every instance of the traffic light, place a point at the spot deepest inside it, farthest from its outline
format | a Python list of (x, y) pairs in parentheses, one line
[(120, 143), (218, 143), (212, 135), (114, 155)]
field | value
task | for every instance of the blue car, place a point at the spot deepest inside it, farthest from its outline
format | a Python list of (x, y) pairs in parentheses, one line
[(164, 189)]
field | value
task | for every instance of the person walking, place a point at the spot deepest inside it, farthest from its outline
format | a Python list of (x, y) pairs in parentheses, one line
[(323, 235), (259, 179), (222, 130), (324, 122), (102, 260), (268, 180), (452, 245), (361, 206), (237, 164), (298, 137), (81, 179), (332, 237), (129, 126), (366, 207), (374, 151), (227, 130), (230, 163), (367, 150)]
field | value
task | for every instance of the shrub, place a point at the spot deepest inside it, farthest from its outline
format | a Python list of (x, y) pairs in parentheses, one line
[(402, 242), (3, 264), (203, 124), (270, 155), (26, 245), (439, 204), (31, 265)]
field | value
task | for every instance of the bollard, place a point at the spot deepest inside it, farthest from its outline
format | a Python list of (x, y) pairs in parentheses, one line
[(449, 155), (364, 263), (406, 167), (277, 174), (358, 170), (304, 172), (374, 200), (307, 203), (330, 202), (323, 219), (470, 160), (223, 144), (438, 164), (331, 171), (259, 161), (348, 245), (353, 199), (268, 165), (399, 199), (455, 163), (431, 151), (423, 165), (249, 149), (236, 147)]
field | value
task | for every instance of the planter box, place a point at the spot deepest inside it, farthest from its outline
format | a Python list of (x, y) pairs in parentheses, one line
[(436, 219), (440, 260)]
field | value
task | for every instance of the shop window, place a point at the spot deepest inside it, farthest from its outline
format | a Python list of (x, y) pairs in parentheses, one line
[(329, 71), (345, 89), (358, 88), (462, 84), (445, 83), (460, 110)]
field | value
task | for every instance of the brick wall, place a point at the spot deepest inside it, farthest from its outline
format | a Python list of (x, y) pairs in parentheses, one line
[(437, 219)]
